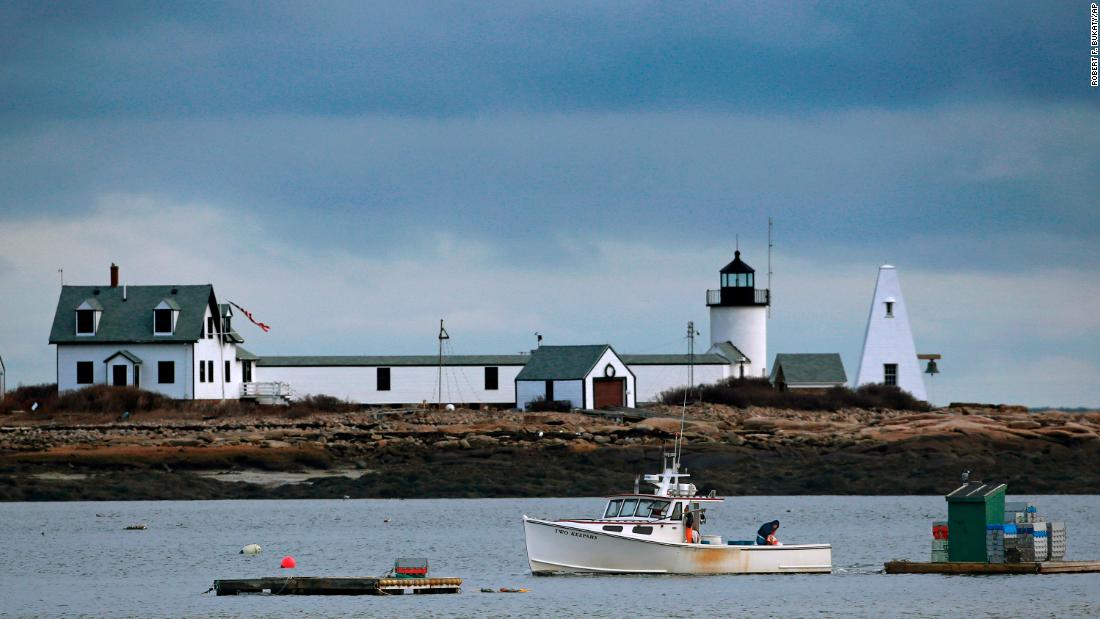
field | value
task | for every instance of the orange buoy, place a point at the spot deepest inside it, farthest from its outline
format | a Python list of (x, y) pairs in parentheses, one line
[(288, 562)]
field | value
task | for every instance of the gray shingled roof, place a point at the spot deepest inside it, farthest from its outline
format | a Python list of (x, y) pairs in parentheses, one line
[(731, 352), (799, 368), (700, 359), (245, 355), (390, 360), (129, 356), (562, 362), (131, 321)]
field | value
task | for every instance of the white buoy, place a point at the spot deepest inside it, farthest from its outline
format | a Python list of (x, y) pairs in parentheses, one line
[(450, 407), (251, 549)]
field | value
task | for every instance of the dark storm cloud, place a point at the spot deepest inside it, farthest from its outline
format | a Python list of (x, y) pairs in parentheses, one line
[(66, 60)]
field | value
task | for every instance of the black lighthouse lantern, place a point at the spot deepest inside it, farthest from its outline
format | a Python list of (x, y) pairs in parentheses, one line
[(738, 286)]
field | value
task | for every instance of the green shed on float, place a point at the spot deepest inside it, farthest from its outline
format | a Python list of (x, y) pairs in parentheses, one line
[(970, 509)]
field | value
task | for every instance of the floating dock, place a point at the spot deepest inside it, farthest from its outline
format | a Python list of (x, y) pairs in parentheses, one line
[(959, 567), (321, 585)]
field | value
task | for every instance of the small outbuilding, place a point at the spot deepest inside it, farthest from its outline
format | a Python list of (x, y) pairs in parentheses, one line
[(591, 376), (807, 371)]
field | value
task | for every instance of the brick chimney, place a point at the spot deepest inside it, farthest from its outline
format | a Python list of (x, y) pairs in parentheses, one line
[(114, 275)]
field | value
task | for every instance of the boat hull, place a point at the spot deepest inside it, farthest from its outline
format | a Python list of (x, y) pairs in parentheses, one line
[(562, 548)]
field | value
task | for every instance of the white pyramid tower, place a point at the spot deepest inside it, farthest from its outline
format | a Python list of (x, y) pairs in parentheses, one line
[(888, 343)]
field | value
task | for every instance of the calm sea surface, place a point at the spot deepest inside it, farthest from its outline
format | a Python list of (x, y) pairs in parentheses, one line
[(75, 559)]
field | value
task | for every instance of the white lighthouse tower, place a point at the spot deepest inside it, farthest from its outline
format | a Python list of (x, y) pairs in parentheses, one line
[(889, 355), (739, 316)]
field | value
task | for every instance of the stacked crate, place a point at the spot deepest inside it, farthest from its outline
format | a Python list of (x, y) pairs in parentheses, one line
[(939, 541), (1042, 541), (1057, 541), (1012, 553), (995, 543), (1025, 542)]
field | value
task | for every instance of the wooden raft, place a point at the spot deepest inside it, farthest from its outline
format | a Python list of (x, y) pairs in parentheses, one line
[(321, 585), (1039, 567)]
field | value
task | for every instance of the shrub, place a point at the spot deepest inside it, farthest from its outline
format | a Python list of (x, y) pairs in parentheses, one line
[(109, 399), (744, 392), (324, 404), (23, 397), (542, 405)]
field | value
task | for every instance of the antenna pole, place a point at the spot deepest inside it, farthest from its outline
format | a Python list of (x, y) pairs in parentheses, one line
[(769, 266), (691, 383), (443, 335), (61, 272)]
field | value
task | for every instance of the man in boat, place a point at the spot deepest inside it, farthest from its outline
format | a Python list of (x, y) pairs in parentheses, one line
[(691, 526), (765, 535)]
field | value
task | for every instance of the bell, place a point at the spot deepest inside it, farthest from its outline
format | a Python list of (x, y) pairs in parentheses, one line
[(931, 369)]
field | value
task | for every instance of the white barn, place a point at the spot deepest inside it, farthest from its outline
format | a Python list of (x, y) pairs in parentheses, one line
[(592, 376), (174, 339), (889, 355)]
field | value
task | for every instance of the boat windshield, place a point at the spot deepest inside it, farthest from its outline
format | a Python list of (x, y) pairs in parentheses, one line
[(629, 505), (613, 508), (636, 508)]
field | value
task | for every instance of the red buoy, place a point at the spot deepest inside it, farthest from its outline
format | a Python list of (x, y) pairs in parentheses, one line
[(288, 562)]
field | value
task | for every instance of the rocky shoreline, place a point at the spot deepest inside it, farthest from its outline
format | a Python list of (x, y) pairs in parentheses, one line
[(465, 453)]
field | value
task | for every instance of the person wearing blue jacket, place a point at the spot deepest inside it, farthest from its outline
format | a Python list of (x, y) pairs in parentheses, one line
[(765, 535)]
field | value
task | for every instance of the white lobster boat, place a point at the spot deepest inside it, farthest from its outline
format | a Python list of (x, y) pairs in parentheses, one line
[(645, 534)]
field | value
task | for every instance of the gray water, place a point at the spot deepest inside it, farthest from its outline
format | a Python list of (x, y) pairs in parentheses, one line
[(75, 559)]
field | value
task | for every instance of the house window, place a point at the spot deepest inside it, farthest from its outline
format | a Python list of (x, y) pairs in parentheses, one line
[(246, 371), (85, 322), (492, 379), (210, 371), (162, 321), (382, 377), (202, 371), (889, 309), (166, 372), (227, 370), (890, 373), (210, 327), (549, 391), (84, 372)]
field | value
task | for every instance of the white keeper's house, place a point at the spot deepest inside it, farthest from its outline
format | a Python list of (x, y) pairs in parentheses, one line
[(174, 339)]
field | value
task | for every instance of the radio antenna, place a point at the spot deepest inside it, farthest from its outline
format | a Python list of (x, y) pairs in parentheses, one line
[(769, 266)]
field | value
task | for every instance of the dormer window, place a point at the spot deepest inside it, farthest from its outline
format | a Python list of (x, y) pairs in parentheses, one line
[(85, 322), (889, 303), (87, 317), (164, 317)]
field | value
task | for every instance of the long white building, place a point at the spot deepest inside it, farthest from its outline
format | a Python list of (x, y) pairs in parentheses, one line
[(178, 340)]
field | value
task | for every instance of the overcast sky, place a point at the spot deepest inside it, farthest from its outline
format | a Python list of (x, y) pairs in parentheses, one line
[(353, 172)]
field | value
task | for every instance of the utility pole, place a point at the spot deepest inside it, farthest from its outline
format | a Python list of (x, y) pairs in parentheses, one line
[(691, 353), (443, 335)]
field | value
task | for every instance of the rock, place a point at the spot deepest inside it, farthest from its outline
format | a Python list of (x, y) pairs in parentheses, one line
[(185, 442), (481, 440), (274, 445), (601, 439)]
